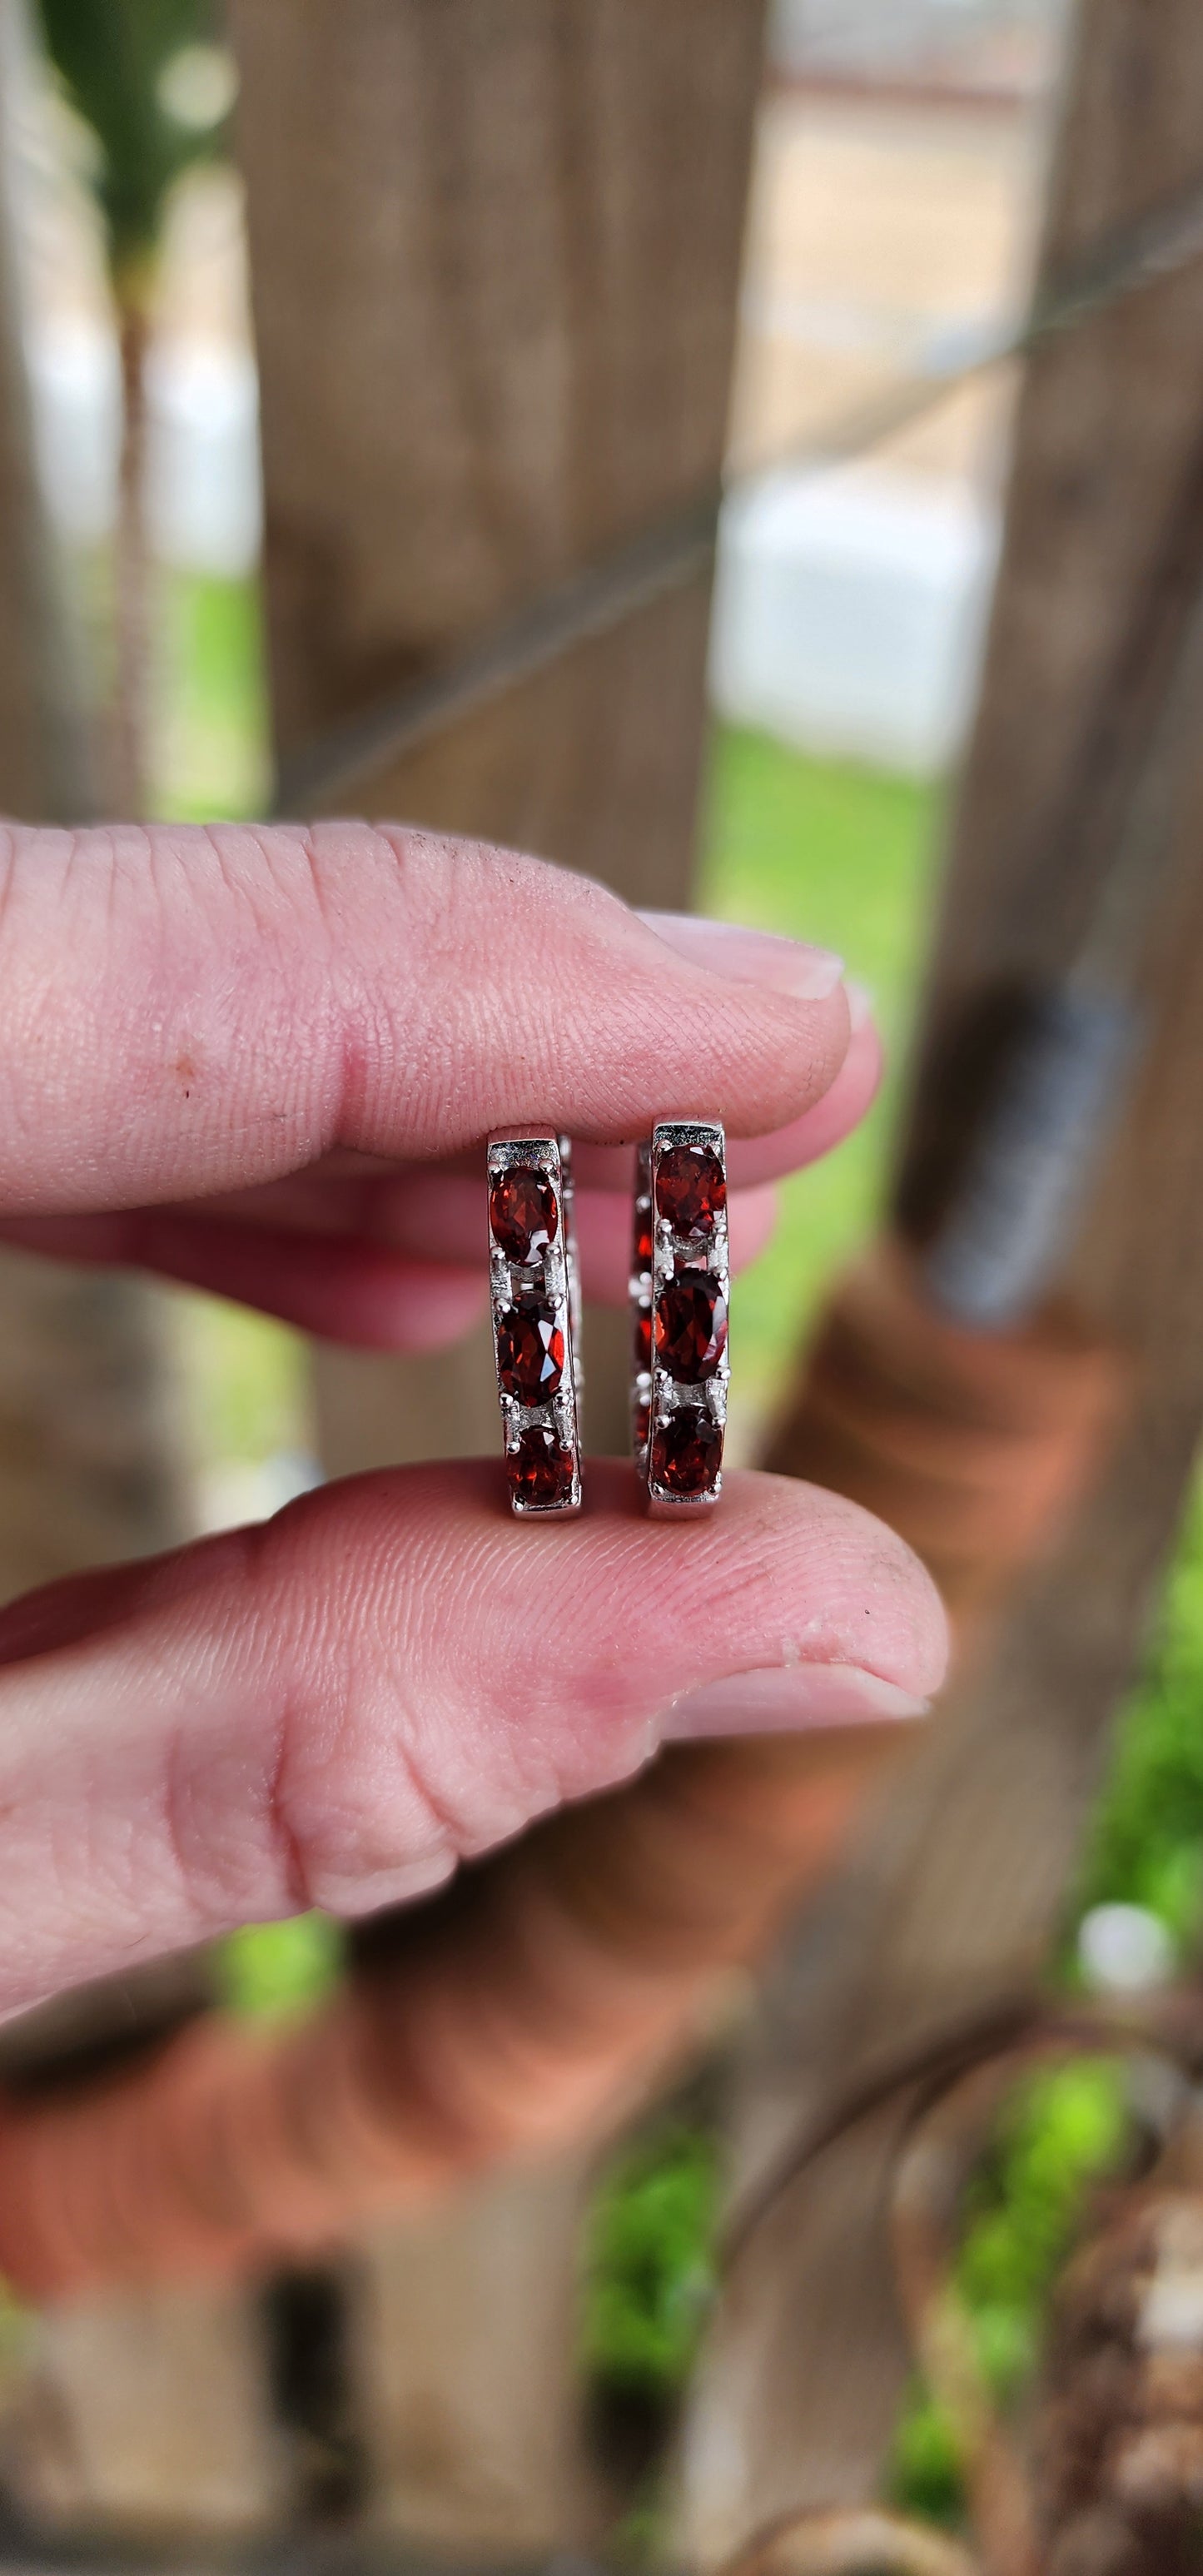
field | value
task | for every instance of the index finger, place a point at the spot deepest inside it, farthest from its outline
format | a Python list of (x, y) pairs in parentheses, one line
[(186, 1009)]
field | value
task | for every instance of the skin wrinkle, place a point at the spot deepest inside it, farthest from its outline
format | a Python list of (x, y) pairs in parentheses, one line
[(299, 1891), (343, 1806), (265, 1046), (446, 939), (360, 1033), (160, 1034), (200, 1883), (539, 1767), (405, 1752), (330, 1655)]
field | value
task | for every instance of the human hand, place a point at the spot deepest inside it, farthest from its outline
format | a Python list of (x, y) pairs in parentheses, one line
[(264, 1061)]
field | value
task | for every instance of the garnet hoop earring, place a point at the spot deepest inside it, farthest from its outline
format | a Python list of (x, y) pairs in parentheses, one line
[(535, 1293), (680, 1290)]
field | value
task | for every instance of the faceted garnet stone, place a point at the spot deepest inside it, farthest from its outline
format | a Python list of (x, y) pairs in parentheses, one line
[(687, 1451), (541, 1471), (691, 1326), (523, 1212), (530, 1351), (690, 1190)]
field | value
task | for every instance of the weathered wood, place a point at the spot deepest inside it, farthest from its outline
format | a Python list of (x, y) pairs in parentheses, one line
[(45, 763), (87, 1468), (142, 2409), (466, 2400), (495, 249), (148, 2415), (957, 1888), (84, 1472), (495, 254)]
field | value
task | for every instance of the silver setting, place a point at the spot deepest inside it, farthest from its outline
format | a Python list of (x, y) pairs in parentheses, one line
[(641, 1310), (655, 1395), (554, 1276)]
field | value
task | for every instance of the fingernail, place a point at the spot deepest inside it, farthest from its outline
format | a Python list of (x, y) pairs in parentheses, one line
[(860, 1003), (779, 1698), (750, 956)]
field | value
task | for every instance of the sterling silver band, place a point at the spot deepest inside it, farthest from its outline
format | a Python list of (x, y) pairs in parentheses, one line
[(680, 1291), (534, 1282)]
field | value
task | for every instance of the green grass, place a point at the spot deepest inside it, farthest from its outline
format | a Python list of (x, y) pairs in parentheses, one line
[(846, 858), (648, 2272), (246, 1381), (211, 735), (278, 1972)]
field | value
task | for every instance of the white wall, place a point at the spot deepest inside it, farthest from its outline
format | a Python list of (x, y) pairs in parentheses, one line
[(849, 615)]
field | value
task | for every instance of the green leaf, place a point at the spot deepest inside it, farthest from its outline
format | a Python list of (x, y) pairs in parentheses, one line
[(112, 57)]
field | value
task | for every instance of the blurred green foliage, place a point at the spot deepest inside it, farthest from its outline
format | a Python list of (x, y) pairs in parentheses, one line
[(115, 59), (1061, 2130), (210, 717), (246, 1381), (277, 1972), (1060, 2133), (1146, 1844), (648, 2269)]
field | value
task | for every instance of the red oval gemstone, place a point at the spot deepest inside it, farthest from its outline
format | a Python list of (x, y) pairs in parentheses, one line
[(540, 1470), (691, 1187), (691, 1326), (523, 1212), (643, 1337), (530, 1351), (687, 1451), (643, 1239)]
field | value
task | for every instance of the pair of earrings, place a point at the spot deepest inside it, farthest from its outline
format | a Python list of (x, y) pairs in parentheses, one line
[(680, 1287)]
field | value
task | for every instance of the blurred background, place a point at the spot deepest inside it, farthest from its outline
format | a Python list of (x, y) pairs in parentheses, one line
[(895, 211)]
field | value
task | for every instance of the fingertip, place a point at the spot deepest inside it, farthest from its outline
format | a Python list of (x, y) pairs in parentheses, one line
[(848, 1098), (752, 1220), (750, 956)]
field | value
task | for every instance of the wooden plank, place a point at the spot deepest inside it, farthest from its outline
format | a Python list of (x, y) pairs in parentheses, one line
[(495, 251), (84, 1475), (149, 2409), (956, 1890), (45, 754), (148, 2416), (464, 2332)]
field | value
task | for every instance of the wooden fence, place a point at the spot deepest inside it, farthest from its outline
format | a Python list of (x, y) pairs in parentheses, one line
[(495, 252)]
